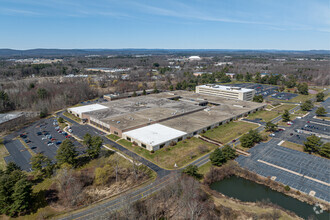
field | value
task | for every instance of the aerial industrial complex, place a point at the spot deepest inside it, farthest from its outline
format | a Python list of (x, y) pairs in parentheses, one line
[(158, 120)]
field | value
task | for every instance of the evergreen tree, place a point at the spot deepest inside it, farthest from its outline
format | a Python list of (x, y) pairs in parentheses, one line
[(286, 116), (303, 89), (321, 111), (307, 106), (66, 153), (320, 97), (271, 127), (325, 150), (21, 196), (228, 152), (313, 144), (217, 157), (192, 170), (258, 98), (94, 149)]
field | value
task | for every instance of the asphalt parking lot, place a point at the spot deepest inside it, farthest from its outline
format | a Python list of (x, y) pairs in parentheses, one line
[(36, 138), (18, 154), (284, 95), (304, 164)]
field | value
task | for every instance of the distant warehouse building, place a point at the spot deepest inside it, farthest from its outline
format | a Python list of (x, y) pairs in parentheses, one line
[(229, 92)]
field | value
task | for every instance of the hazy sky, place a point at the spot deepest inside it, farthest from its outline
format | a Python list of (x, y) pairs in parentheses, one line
[(181, 24)]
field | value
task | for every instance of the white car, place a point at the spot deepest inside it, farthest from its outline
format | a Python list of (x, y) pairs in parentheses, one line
[(50, 144), (44, 138)]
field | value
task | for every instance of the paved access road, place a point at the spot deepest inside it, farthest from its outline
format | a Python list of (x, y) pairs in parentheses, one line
[(299, 170)]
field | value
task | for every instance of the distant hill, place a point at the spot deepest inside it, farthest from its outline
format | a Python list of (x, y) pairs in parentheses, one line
[(83, 52)]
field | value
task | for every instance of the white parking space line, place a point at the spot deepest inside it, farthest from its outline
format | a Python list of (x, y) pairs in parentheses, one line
[(313, 122), (279, 144), (293, 172)]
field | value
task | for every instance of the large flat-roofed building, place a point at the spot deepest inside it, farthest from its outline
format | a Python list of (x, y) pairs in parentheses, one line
[(153, 137), (229, 92), (157, 120), (78, 111)]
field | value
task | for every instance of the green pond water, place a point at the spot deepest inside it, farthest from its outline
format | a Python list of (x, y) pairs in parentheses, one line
[(249, 191)]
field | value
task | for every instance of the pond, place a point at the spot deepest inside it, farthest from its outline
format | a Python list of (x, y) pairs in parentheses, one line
[(249, 191)]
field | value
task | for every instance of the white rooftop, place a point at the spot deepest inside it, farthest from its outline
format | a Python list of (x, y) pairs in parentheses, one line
[(154, 134), (194, 58), (87, 108), (226, 88)]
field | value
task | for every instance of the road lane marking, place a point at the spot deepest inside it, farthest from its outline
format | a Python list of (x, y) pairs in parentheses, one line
[(293, 172)]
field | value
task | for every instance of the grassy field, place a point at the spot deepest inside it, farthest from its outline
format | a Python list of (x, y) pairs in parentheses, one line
[(300, 112), (323, 117), (264, 115), (204, 169), (3, 153), (293, 146), (282, 108), (302, 98), (181, 154), (75, 118), (230, 131), (113, 137), (269, 106)]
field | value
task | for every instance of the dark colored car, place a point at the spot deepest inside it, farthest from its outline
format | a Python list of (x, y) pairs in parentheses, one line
[(58, 142), (39, 133)]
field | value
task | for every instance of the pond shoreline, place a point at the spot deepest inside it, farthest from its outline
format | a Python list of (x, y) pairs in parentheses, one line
[(262, 205), (232, 168)]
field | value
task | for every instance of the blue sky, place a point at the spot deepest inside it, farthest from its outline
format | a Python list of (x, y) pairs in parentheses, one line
[(180, 24)]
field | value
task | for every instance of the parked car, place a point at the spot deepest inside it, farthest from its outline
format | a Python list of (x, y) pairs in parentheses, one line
[(39, 133), (33, 148), (68, 136), (53, 139), (50, 144), (44, 138), (70, 130), (58, 142), (27, 141), (272, 135)]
